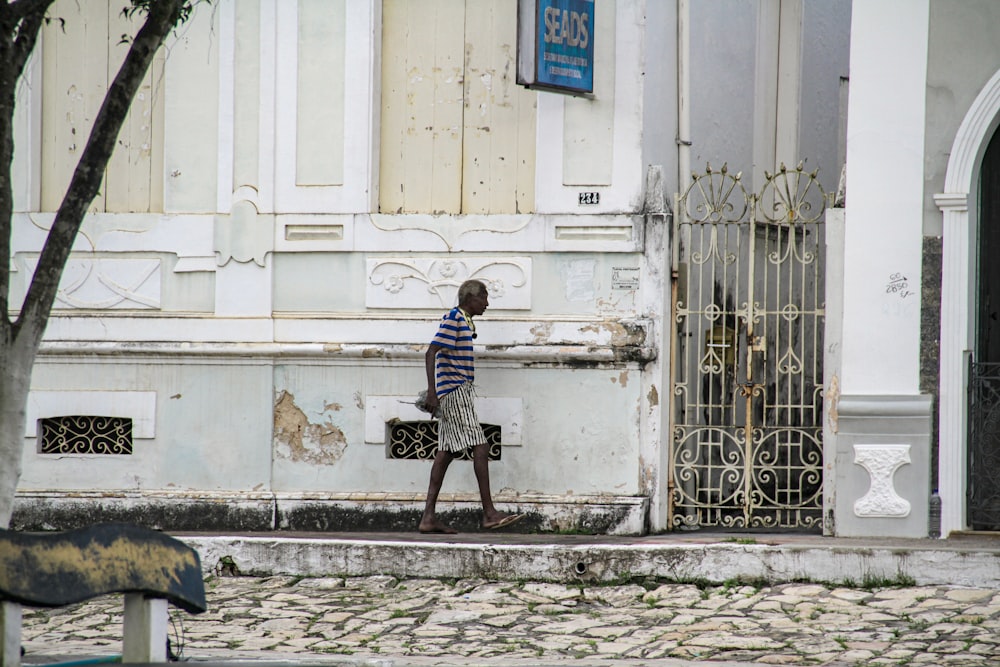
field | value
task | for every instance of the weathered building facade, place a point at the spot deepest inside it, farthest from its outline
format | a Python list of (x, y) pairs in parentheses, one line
[(304, 185)]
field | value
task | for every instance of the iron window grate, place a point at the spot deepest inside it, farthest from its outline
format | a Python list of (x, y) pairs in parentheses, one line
[(86, 434), (418, 440)]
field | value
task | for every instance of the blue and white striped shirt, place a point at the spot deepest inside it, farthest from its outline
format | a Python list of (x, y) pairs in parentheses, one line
[(455, 364)]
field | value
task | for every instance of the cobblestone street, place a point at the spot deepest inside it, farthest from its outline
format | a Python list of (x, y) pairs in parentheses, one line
[(467, 622)]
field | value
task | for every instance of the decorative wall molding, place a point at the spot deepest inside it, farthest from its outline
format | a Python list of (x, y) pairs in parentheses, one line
[(450, 228), (583, 233), (98, 231), (493, 233), (408, 283), (979, 124), (189, 237), (881, 462), (314, 233), (107, 283), (209, 350), (195, 264), (376, 340), (244, 235)]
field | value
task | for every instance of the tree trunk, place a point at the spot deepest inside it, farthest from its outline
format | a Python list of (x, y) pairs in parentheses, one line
[(15, 381), (20, 340), (18, 35)]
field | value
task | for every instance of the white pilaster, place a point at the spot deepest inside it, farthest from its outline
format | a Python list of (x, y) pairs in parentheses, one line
[(833, 343), (765, 87), (789, 76), (956, 311), (883, 234)]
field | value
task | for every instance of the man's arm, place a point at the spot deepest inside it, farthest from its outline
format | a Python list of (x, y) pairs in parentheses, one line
[(430, 358)]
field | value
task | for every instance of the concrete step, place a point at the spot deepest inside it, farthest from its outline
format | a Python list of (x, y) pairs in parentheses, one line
[(971, 559)]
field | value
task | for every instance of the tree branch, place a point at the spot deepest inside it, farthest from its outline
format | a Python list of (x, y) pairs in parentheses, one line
[(8, 82), (18, 9), (27, 33), (18, 35), (162, 17)]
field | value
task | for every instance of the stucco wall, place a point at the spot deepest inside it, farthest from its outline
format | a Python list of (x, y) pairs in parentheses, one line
[(210, 431), (212, 428)]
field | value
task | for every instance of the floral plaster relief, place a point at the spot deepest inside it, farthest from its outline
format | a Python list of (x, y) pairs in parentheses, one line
[(433, 283)]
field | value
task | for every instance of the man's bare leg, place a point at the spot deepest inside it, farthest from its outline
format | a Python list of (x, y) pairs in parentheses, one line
[(429, 522), (492, 518)]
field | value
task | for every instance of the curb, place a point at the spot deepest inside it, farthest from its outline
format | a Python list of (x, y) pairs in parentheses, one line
[(599, 563)]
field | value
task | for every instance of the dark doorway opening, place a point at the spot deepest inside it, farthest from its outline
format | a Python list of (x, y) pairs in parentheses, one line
[(983, 496)]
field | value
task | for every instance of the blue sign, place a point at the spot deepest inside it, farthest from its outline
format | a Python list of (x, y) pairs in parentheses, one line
[(563, 48)]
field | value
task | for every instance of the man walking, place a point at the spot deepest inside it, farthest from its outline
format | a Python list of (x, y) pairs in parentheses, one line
[(450, 396)]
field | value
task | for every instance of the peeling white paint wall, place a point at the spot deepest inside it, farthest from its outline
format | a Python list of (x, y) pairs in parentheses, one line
[(284, 298)]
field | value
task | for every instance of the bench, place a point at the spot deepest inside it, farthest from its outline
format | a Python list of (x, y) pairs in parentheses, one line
[(58, 569)]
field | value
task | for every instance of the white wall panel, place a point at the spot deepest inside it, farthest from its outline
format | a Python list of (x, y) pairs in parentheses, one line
[(319, 121), (323, 111), (81, 54)]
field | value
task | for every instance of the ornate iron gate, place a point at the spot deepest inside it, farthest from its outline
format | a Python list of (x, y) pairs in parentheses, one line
[(747, 353), (983, 494)]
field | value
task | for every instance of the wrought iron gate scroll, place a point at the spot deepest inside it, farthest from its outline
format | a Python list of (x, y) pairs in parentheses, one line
[(983, 492), (747, 353)]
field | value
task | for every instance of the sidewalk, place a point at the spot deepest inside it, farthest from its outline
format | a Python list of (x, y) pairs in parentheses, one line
[(392, 600)]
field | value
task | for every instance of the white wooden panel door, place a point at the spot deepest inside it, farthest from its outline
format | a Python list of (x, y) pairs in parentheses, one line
[(498, 158), (458, 134), (422, 91), (81, 55)]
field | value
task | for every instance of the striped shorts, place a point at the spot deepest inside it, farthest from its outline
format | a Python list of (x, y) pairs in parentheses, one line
[(458, 428)]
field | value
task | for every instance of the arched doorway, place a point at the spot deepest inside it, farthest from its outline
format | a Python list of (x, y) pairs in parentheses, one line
[(983, 484), (959, 204)]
